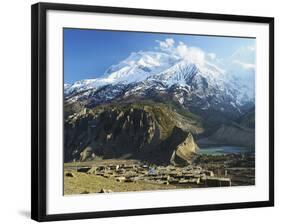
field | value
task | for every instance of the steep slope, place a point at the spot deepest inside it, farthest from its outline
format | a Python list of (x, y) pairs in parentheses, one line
[(145, 106), (240, 133), (248, 120), (184, 152), (139, 66), (203, 89), (131, 130), (136, 68), (231, 134), (202, 85)]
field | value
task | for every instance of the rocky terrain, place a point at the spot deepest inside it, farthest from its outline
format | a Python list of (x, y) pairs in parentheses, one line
[(159, 108), (147, 131)]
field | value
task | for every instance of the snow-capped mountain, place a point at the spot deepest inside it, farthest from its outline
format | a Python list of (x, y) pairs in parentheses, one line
[(139, 66), (136, 68), (193, 85)]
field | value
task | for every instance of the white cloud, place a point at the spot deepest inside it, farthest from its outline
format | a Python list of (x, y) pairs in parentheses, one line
[(191, 54), (170, 42), (212, 56), (167, 44), (244, 65), (243, 58), (251, 48), (245, 54)]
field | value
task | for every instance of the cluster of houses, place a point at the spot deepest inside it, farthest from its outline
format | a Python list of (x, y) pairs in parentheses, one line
[(189, 176)]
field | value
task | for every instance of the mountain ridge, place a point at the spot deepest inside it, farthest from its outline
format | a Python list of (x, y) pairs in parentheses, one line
[(175, 97), (144, 130), (161, 67)]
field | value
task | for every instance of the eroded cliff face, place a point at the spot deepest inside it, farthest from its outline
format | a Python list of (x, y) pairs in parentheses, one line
[(147, 132), (184, 152)]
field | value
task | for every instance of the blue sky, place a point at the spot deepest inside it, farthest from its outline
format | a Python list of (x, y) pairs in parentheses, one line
[(88, 53)]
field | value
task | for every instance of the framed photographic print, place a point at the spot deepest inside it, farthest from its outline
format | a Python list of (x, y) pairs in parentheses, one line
[(138, 111)]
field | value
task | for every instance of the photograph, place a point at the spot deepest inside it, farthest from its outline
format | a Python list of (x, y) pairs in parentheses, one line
[(152, 111), (139, 112)]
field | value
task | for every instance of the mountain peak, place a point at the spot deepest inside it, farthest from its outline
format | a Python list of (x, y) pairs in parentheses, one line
[(202, 83), (139, 66)]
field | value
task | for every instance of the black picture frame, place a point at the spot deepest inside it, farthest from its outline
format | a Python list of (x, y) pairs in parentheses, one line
[(38, 108)]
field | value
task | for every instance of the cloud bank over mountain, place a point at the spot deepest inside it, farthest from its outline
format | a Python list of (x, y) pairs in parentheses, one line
[(244, 57)]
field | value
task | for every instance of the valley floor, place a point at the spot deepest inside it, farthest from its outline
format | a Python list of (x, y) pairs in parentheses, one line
[(84, 183), (113, 175)]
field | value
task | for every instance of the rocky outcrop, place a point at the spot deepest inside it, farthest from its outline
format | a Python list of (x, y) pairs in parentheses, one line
[(87, 154), (144, 131), (184, 152)]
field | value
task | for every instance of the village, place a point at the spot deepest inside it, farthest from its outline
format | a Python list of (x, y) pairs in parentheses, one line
[(185, 177)]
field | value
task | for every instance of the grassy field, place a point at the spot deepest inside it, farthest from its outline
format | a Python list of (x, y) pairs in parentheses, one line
[(82, 183)]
